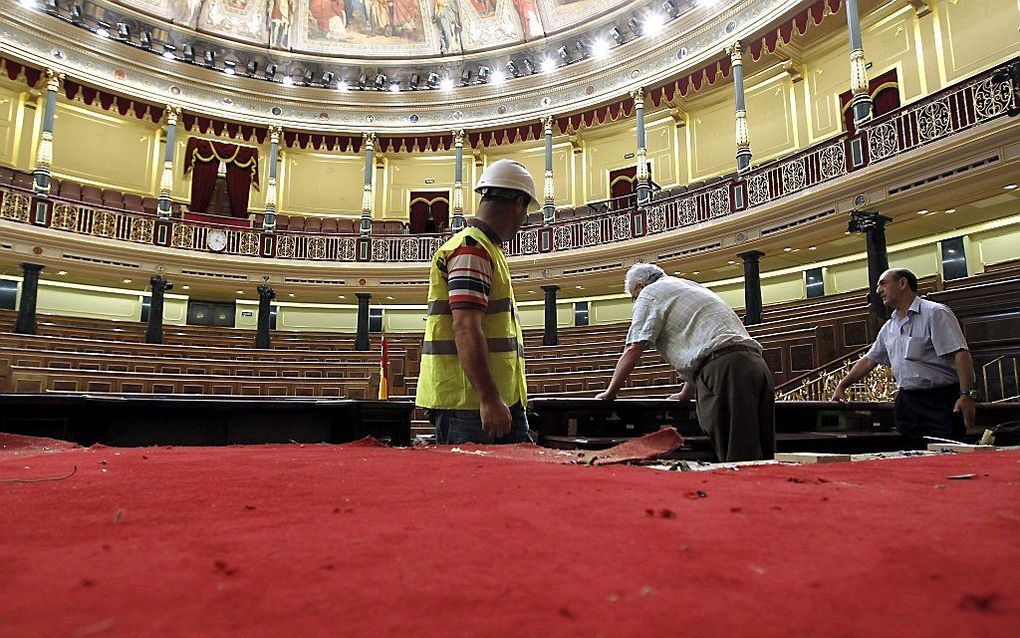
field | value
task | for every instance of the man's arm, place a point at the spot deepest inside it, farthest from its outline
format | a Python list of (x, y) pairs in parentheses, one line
[(628, 360), (860, 370), (964, 364), (473, 354)]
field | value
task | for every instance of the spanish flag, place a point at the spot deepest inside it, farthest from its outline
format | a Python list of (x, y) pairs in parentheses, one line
[(384, 368)]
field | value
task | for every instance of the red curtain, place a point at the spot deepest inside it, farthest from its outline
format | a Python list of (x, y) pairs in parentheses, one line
[(429, 211), (885, 96), (238, 188), (202, 158), (203, 181)]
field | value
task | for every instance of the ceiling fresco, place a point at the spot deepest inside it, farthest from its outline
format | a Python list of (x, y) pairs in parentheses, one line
[(377, 28)]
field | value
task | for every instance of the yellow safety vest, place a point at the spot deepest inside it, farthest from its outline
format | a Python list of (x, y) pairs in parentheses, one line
[(442, 383)]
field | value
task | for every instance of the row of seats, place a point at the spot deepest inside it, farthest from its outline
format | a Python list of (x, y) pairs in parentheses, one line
[(345, 225), (91, 195)]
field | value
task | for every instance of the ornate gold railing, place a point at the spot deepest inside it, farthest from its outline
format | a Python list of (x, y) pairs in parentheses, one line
[(879, 386)]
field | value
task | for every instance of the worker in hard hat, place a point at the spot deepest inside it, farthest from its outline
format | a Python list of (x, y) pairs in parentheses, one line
[(472, 366)]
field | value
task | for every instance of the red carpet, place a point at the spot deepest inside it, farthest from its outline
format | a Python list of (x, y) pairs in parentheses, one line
[(367, 541)]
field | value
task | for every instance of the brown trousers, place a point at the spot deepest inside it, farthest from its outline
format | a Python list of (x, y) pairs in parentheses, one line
[(736, 404)]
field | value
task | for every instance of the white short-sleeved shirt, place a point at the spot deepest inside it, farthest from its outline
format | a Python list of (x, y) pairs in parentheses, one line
[(920, 346), (685, 322)]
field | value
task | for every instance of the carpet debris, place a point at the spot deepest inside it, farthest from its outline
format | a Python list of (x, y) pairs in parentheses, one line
[(647, 591), (74, 468), (224, 568), (961, 477), (697, 494), (118, 517), (94, 628)]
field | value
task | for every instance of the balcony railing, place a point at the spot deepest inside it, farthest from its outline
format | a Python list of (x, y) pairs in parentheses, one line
[(984, 98)]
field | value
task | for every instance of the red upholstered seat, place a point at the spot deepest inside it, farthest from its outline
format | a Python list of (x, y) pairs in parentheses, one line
[(329, 225), (91, 195), (282, 222), (69, 190), (346, 226), (297, 223), (23, 180), (133, 203), (6, 175), (150, 204), (113, 199), (568, 213), (313, 224)]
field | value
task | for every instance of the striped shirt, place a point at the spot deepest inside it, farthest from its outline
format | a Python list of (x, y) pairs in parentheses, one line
[(469, 273), (685, 322)]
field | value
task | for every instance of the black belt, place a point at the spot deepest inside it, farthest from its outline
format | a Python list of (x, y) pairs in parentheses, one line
[(715, 354)]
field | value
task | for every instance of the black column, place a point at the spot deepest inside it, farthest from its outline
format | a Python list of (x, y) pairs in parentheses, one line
[(361, 343), (29, 295), (154, 330), (551, 338), (752, 287), (873, 227), (266, 295)]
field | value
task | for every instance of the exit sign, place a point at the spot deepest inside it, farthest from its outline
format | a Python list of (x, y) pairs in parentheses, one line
[(430, 181), (628, 156)]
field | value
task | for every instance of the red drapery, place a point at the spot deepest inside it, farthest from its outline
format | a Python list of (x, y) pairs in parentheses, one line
[(885, 96), (429, 211), (202, 159)]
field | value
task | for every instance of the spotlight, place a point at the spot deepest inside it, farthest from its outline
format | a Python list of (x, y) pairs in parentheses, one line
[(465, 77), (432, 81), (362, 81), (169, 51), (230, 68), (653, 24), (327, 78), (498, 77), (52, 6), (307, 77), (210, 58), (251, 68), (528, 68), (548, 65), (581, 49), (669, 8), (287, 80), (28, 4), (617, 35), (511, 66), (483, 73), (380, 81), (342, 85), (76, 14), (599, 49), (103, 30), (189, 54), (414, 82), (564, 55), (632, 26), (271, 72), (145, 40), (446, 84), (123, 31)]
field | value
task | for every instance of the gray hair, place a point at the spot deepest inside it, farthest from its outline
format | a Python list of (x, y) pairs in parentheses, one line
[(641, 275)]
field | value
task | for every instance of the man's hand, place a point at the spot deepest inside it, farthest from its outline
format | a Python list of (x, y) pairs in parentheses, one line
[(686, 393), (606, 396), (495, 418), (839, 395), (968, 407)]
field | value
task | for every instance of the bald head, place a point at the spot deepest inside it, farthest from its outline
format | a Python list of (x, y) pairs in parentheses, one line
[(897, 287)]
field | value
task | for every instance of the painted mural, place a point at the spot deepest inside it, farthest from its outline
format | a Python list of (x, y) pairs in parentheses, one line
[(367, 28)]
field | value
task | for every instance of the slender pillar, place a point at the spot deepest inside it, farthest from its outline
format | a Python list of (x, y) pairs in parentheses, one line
[(25, 323), (641, 170), (861, 100), (154, 329), (166, 180), (457, 223), (752, 287), (361, 342), (873, 227), (44, 157), (366, 197), (269, 217), (549, 189), (550, 338), (743, 140), (266, 296)]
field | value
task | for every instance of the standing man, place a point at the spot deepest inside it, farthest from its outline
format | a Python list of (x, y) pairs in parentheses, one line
[(699, 335), (924, 344), (472, 366)]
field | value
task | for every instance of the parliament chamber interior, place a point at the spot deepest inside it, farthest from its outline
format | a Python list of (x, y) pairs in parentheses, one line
[(225, 233)]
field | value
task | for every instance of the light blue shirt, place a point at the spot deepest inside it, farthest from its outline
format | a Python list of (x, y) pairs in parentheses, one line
[(920, 346)]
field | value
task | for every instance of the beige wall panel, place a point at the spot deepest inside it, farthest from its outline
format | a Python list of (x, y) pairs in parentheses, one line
[(175, 310), (246, 314), (90, 303), (533, 159), (611, 310), (409, 173), (732, 294), (889, 43), (28, 139), (997, 245), (771, 118), (607, 153), (531, 316), (104, 150), (10, 105), (323, 318), (782, 288), (662, 153), (921, 260), (846, 277), (712, 146), (404, 319), (321, 183), (976, 34)]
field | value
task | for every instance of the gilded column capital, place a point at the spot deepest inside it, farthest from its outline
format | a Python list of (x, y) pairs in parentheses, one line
[(275, 133), (638, 95), (736, 53), (458, 137), (53, 79), (172, 114), (547, 124)]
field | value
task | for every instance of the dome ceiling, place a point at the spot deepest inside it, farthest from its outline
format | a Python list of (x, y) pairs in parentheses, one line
[(378, 28)]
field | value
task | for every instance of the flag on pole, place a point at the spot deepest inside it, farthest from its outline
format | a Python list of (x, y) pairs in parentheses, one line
[(384, 368)]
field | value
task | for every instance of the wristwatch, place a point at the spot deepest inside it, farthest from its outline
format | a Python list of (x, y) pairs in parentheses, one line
[(973, 394)]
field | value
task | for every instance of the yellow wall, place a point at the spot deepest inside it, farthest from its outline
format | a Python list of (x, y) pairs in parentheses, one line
[(11, 112), (972, 35), (339, 318)]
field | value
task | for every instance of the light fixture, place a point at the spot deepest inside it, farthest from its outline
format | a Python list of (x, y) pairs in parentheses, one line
[(145, 40), (189, 54), (731, 262), (287, 80), (414, 81), (548, 65), (307, 77), (599, 49), (653, 24), (362, 80), (342, 85), (327, 78), (251, 68), (127, 281), (696, 272), (28, 4), (498, 77), (484, 73), (581, 49), (240, 292), (185, 287), (123, 31), (389, 297), (632, 26), (787, 249), (432, 80), (950, 211), (169, 51), (103, 30), (270, 72), (564, 55), (616, 34), (669, 8), (209, 57), (923, 211), (1010, 187), (465, 77), (290, 294), (579, 287), (511, 66), (61, 272), (528, 67), (52, 6), (446, 84), (341, 296), (230, 68), (380, 81), (812, 248), (395, 87), (75, 14)]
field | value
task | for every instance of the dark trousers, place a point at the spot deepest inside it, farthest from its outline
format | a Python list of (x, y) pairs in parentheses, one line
[(736, 403), (454, 427), (921, 413)]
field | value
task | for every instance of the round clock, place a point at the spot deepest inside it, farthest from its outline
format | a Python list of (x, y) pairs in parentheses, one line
[(216, 240)]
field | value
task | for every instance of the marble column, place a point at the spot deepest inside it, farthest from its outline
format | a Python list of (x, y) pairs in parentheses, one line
[(266, 296), (44, 156), (166, 181), (269, 217), (752, 286), (25, 323), (641, 170), (551, 337), (457, 223), (361, 342), (873, 227), (367, 197), (861, 100), (549, 187), (743, 139), (154, 329)]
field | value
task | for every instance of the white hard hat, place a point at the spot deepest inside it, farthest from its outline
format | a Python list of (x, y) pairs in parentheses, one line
[(509, 174)]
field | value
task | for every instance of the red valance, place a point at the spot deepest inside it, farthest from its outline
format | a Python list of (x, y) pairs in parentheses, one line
[(342, 143), (199, 150), (109, 101), (799, 24)]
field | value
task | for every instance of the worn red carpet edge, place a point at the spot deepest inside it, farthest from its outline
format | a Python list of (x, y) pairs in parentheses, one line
[(323, 540)]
